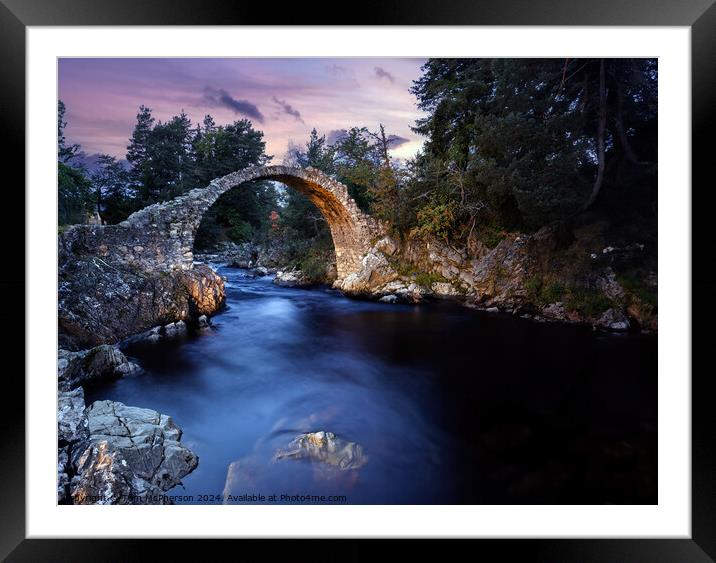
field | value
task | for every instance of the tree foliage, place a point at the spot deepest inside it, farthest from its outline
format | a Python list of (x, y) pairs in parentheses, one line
[(524, 142), (510, 144)]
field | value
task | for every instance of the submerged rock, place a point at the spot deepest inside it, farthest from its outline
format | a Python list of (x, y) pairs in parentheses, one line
[(175, 329), (325, 447), (157, 333), (134, 455), (203, 322)]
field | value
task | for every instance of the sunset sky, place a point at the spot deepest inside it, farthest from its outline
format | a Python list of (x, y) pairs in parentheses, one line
[(284, 98)]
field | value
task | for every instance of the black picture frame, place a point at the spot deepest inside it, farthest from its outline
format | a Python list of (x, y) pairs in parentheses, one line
[(699, 15)]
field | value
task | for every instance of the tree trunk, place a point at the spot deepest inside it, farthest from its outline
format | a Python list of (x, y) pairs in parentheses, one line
[(619, 125), (601, 133)]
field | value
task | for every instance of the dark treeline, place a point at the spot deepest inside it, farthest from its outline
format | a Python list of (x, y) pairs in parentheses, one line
[(510, 145)]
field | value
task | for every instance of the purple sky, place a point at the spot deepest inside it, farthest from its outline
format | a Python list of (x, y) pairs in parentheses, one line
[(284, 98)]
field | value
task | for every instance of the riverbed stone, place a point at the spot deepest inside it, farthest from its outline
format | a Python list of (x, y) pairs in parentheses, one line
[(327, 448), (293, 278)]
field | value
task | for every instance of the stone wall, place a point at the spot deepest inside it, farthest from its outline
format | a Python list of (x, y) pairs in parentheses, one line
[(161, 236)]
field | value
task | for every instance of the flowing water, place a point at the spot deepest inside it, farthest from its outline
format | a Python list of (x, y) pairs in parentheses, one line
[(449, 404)]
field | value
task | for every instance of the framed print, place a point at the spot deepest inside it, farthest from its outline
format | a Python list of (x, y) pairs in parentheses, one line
[(425, 274)]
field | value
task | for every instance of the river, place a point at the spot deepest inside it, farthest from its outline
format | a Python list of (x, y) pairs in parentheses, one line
[(449, 404)]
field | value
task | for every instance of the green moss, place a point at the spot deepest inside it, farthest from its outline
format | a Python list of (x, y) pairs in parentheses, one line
[(314, 267), (407, 269), (640, 289), (402, 267), (542, 292), (589, 303), (427, 279), (492, 238)]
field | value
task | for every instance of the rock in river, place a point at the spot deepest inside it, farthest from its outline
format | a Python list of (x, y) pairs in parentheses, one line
[(294, 278), (134, 456), (100, 362), (325, 447)]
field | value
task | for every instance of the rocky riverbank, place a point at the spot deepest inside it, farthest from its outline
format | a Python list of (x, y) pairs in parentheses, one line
[(536, 276), (111, 453), (102, 300), (108, 452)]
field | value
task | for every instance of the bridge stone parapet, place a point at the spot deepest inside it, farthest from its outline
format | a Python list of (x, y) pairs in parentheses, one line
[(160, 237)]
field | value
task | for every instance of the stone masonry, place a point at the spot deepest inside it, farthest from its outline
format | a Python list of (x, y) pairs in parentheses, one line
[(160, 237)]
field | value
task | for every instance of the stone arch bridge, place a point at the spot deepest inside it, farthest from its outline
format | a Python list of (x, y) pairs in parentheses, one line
[(160, 237)]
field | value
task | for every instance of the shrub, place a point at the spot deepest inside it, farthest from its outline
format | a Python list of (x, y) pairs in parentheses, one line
[(639, 288), (427, 279), (542, 293), (589, 303)]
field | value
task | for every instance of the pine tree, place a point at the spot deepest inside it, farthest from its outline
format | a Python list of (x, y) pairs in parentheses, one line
[(138, 158), (65, 152)]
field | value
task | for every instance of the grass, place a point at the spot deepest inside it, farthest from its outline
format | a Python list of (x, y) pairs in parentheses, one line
[(640, 289), (407, 269), (588, 303), (427, 279), (542, 292), (489, 235)]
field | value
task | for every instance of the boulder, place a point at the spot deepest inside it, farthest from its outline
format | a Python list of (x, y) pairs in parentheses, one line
[(104, 477), (72, 438), (102, 299), (100, 362), (205, 289), (157, 333), (293, 278), (375, 272), (134, 453), (175, 329), (444, 289), (327, 448), (555, 311), (613, 320), (63, 480), (72, 424)]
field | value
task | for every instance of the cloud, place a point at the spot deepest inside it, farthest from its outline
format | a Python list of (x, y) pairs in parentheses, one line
[(382, 73), (336, 69), (288, 109), (221, 98), (394, 141), (335, 135)]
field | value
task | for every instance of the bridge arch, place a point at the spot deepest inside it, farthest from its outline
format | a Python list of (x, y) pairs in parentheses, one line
[(174, 223)]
